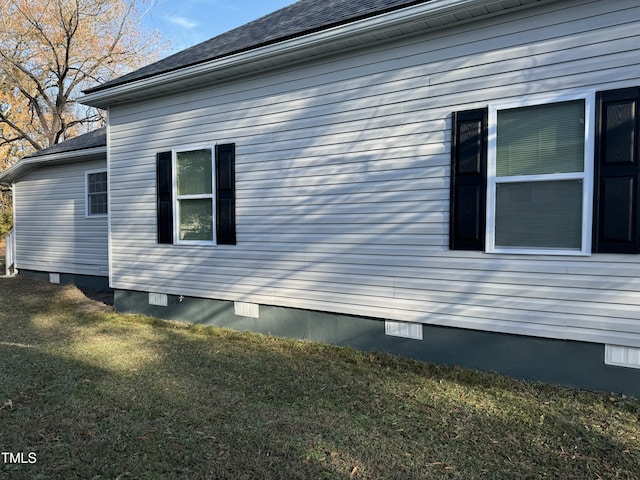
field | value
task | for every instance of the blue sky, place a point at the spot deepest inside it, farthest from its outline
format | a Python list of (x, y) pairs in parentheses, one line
[(187, 22)]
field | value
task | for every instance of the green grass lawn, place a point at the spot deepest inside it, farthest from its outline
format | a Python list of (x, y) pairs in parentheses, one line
[(97, 395)]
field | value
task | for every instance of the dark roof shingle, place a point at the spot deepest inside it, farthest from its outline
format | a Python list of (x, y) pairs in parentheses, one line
[(54, 155), (298, 19), (94, 139)]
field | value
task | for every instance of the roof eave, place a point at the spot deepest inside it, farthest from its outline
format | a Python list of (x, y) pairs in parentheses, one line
[(286, 51), (29, 164)]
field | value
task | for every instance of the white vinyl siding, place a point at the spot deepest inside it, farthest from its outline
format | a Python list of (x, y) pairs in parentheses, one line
[(53, 231), (342, 176)]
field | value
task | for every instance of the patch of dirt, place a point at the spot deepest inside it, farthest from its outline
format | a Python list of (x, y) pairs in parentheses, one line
[(101, 296), (102, 300)]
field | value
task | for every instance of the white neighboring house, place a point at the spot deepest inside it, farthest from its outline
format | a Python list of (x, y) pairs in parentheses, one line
[(451, 180), (61, 211)]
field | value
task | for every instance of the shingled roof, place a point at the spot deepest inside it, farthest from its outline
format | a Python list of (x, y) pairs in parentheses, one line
[(94, 139), (301, 18), (90, 146)]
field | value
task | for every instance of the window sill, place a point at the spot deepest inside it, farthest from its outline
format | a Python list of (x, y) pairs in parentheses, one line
[(539, 251), (194, 243)]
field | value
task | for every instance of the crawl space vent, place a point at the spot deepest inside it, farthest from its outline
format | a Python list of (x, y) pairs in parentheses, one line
[(243, 309), (403, 329), (622, 356), (159, 299)]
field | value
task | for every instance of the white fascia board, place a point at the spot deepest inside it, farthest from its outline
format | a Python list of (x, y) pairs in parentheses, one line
[(29, 164), (358, 29)]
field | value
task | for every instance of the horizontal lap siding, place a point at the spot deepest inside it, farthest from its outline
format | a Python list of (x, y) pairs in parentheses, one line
[(342, 175), (52, 230)]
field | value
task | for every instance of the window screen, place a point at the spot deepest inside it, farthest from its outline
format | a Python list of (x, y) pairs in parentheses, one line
[(539, 167)]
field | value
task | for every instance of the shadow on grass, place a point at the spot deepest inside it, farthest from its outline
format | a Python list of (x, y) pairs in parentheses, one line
[(100, 395)]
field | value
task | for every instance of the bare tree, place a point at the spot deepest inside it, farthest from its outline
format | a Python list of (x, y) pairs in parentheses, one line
[(49, 51)]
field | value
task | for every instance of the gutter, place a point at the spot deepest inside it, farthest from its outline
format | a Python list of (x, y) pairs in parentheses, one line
[(28, 164), (448, 11)]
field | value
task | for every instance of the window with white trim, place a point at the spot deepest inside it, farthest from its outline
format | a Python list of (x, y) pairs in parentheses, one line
[(96, 193), (549, 176), (539, 194), (195, 191), (194, 195)]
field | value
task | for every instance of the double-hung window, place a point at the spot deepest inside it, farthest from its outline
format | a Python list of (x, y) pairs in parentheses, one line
[(194, 195), (539, 191), (522, 177), (96, 193)]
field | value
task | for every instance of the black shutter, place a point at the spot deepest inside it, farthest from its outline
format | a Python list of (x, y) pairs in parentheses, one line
[(226, 194), (468, 180), (165, 199), (616, 195)]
